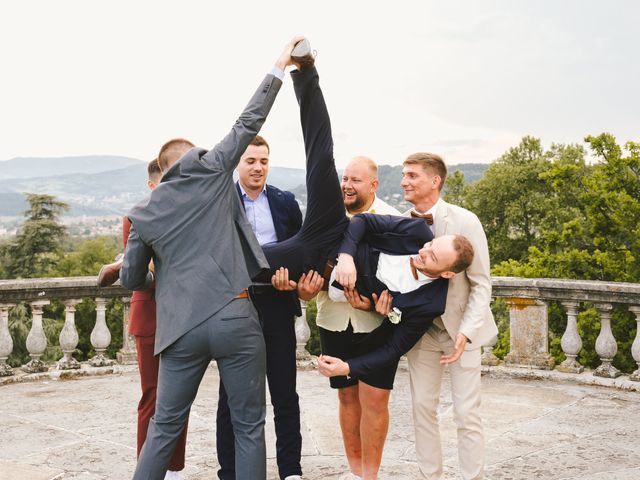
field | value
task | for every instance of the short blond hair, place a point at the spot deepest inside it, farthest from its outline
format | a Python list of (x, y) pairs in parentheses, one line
[(431, 163), (369, 163), (172, 151)]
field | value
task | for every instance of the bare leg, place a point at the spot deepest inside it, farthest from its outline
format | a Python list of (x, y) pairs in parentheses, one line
[(374, 424), (350, 414)]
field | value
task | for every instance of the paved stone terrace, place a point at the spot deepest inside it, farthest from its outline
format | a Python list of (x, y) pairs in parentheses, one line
[(84, 429)]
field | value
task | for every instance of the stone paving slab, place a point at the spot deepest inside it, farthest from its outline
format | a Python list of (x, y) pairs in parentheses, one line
[(84, 429)]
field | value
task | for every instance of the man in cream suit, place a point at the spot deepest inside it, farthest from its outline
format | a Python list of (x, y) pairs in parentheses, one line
[(363, 404), (456, 337)]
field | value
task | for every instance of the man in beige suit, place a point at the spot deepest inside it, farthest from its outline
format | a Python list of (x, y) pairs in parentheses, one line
[(364, 410), (456, 337)]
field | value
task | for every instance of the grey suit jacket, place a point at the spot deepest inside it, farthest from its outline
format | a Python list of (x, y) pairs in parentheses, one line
[(195, 230)]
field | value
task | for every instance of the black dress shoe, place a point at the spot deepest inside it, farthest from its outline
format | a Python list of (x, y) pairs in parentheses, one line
[(303, 55), (109, 274)]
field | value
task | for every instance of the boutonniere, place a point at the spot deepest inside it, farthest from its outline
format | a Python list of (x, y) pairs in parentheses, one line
[(395, 315)]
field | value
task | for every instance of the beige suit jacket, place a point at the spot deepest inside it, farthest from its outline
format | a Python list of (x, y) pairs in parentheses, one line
[(335, 316), (468, 301)]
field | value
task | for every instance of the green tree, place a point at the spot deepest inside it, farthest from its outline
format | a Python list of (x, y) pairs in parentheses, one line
[(37, 246)]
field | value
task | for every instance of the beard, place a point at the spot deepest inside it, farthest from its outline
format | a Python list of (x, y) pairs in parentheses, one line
[(354, 203)]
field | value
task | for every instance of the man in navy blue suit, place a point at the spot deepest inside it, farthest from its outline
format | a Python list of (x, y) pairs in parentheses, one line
[(274, 216)]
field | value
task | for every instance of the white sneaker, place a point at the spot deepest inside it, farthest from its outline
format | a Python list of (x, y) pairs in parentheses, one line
[(293, 477), (171, 475)]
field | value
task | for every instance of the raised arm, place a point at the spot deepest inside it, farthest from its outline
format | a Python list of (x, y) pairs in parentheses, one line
[(135, 274), (226, 154)]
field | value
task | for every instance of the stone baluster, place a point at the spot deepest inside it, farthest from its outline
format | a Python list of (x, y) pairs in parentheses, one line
[(488, 357), (100, 335), (127, 354), (635, 348), (606, 345), (303, 333), (6, 342), (571, 342), (69, 337), (529, 334), (36, 339)]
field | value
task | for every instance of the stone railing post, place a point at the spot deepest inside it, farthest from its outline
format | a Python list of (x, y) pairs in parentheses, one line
[(100, 335), (606, 345), (571, 342), (303, 333), (36, 339), (635, 348), (488, 357), (127, 354), (6, 342), (529, 334), (69, 337)]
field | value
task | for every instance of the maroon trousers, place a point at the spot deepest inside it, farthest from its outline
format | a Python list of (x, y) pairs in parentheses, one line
[(148, 366)]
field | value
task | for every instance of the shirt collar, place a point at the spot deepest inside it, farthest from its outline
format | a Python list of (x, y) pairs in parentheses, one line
[(432, 210), (245, 195)]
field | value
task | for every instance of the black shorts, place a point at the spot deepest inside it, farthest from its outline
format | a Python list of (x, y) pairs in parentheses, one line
[(346, 345)]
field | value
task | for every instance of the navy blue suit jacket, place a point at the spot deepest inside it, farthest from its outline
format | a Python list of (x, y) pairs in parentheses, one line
[(287, 220), (365, 238)]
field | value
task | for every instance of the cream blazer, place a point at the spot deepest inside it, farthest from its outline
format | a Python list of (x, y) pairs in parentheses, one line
[(468, 300)]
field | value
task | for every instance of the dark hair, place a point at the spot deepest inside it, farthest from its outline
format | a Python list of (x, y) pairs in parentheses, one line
[(171, 152), (259, 141), (465, 253), (431, 163)]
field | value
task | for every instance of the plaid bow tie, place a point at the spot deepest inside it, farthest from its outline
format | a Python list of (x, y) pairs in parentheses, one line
[(427, 217)]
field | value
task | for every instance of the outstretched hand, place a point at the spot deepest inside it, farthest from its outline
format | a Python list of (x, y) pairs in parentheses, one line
[(285, 57), (458, 350), (332, 366)]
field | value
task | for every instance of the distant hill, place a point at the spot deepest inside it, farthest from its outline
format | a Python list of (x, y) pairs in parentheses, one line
[(28, 167), (114, 191)]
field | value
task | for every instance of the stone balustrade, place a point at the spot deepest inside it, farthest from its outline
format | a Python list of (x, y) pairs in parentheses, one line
[(71, 290), (527, 300)]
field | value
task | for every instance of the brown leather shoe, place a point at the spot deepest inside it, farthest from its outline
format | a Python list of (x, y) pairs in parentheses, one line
[(303, 55), (109, 274)]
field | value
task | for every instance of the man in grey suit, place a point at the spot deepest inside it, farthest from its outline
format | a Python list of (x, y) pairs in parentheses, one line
[(204, 255)]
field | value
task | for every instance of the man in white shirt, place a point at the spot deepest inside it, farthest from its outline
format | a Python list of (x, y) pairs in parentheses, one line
[(455, 337), (364, 410)]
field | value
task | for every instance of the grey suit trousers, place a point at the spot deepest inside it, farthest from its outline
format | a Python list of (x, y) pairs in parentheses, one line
[(233, 338)]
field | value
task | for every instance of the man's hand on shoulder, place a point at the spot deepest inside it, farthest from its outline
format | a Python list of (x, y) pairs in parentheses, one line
[(458, 350)]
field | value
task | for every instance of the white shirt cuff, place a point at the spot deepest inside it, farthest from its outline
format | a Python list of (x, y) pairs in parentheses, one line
[(278, 73)]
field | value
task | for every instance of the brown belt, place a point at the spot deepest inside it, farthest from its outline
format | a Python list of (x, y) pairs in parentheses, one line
[(328, 269), (243, 294)]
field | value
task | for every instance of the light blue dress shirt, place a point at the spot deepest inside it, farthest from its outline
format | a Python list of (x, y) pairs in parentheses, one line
[(259, 216)]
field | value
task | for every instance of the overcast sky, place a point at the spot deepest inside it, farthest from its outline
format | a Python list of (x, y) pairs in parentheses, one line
[(466, 79)]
